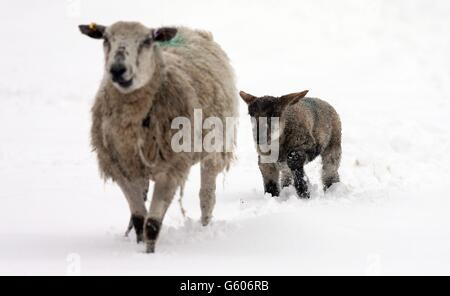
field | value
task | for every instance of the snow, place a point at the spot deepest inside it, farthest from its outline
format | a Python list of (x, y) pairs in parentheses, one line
[(383, 64)]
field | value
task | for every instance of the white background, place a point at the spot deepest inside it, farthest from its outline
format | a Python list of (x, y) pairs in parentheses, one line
[(384, 65)]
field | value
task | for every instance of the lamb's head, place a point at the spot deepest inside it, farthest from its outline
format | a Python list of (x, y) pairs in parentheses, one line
[(130, 57), (267, 108)]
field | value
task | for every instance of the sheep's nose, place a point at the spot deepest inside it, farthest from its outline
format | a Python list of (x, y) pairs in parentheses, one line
[(117, 71)]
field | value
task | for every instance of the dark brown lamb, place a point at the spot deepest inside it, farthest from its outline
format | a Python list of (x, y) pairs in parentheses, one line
[(308, 128)]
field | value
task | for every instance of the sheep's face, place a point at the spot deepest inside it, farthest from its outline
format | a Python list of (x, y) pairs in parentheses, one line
[(129, 52), (264, 110)]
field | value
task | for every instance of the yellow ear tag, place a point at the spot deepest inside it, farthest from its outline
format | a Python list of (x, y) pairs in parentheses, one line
[(93, 26)]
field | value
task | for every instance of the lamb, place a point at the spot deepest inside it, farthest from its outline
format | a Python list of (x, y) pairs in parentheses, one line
[(153, 76), (308, 128)]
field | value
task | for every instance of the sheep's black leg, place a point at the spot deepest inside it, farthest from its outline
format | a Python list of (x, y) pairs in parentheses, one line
[(152, 230), (165, 189), (136, 222), (296, 163), (136, 192)]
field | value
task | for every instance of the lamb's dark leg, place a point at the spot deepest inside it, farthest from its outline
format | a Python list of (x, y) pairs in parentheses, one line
[(136, 194), (296, 162), (331, 159), (286, 177), (271, 176)]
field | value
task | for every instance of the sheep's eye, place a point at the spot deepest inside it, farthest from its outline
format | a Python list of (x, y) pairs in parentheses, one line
[(147, 42), (105, 41)]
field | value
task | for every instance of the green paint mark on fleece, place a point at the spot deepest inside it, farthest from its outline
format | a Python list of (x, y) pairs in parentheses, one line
[(176, 41)]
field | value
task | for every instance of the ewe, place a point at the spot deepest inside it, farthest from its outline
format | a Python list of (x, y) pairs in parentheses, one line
[(153, 76)]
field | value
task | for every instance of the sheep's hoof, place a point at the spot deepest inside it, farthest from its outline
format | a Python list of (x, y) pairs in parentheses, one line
[(152, 229), (136, 222), (151, 245)]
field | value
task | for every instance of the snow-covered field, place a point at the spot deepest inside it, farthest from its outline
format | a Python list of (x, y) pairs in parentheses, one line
[(384, 65)]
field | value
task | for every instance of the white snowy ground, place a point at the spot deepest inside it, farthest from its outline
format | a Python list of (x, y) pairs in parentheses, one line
[(384, 65)]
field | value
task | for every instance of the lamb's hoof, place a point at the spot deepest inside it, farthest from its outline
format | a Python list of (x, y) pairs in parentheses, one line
[(140, 238), (151, 245), (272, 188), (305, 195), (328, 184)]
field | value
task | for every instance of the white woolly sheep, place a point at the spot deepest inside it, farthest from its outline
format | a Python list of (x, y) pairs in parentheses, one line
[(153, 76)]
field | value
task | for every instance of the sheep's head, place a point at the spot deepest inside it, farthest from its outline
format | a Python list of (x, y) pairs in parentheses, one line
[(129, 52)]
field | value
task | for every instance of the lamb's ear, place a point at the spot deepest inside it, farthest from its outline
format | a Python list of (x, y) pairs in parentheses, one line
[(247, 97), (93, 30), (164, 34), (293, 98)]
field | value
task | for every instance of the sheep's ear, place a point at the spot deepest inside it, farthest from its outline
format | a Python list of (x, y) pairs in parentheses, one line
[(93, 30), (293, 98), (247, 97), (164, 34)]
